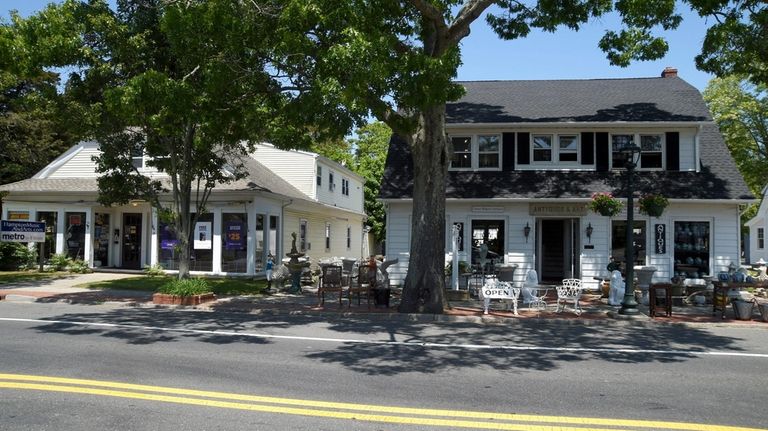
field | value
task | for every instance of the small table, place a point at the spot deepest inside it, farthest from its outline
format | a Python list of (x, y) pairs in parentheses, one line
[(652, 298)]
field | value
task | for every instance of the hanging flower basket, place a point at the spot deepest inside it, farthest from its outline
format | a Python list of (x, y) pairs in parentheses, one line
[(605, 204), (652, 205)]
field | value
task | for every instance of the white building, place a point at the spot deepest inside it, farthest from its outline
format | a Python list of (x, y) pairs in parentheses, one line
[(285, 192), (758, 226), (528, 155)]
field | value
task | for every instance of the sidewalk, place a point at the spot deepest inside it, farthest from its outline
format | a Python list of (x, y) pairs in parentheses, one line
[(596, 310)]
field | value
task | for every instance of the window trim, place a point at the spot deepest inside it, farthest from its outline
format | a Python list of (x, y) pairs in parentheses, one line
[(344, 186), (303, 235), (319, 176), (555, 150), (349, 237), (471, 157), (552, 140), (760, 238), (331, 183)]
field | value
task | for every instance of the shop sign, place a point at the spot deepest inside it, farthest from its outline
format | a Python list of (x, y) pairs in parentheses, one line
[(557, 209), (18, 215), (22, 231), (660, 238), (168, 240), (494, 210)]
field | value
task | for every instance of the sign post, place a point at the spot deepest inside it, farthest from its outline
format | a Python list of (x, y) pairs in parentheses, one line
[(24, 231)]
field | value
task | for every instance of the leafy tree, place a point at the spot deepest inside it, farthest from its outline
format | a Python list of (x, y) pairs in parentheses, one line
[(397, 60), (370, 153), (33, 120), (741, 111), (186, 84), (736, 43)]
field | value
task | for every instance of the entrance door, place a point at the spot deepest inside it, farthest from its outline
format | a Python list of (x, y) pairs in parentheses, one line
[(132, 240), (558, 256), (101, 241)]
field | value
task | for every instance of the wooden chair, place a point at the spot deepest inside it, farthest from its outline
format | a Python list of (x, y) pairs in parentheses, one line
[(331, 282), (366, 282)]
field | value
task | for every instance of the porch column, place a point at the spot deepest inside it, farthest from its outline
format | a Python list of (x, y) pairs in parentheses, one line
[(153, 246), (216, 244), (88, 249), (60, 213), (251, 242)]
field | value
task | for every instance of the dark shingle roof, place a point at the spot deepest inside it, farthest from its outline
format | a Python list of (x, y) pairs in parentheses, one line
[(594, 100), (586, 101)]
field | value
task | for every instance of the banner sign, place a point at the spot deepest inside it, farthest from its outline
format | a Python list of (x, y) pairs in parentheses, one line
[(22, 231), (203, 236), (234, 235), (660, 238)]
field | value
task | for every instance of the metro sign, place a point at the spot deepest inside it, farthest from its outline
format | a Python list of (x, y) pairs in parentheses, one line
[(22, 231)]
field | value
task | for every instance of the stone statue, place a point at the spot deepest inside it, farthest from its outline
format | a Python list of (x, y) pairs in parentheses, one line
[(616, 294), (293, 243)]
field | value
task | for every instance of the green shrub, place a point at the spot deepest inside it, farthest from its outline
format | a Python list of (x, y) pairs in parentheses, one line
[(59, 262), (464, 267), (186, 287), (79, 266), (16, 255), (155, 270)]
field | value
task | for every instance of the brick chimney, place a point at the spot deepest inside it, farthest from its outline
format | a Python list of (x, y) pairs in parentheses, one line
[(669, 72)]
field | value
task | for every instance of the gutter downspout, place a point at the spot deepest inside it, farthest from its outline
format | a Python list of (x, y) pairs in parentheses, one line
[(282, 227)]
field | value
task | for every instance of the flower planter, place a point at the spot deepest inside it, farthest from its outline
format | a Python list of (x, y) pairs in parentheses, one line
[(167, 299), (456, 295), (743, 309), (654, 211)]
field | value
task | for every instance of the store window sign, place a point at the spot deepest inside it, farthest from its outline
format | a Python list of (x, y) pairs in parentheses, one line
[(234, 235), (168, 240), (75, 220), (660, 239), (203, 236)]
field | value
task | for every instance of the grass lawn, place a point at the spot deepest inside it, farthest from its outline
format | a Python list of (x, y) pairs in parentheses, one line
[(219, 286), (8, 277)]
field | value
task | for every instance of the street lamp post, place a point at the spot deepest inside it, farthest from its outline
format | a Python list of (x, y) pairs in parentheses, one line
[(629, 304)]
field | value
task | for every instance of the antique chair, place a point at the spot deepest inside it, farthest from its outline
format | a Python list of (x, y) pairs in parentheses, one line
[(533, 293), (366, 281), (570, 290), (331, 282)]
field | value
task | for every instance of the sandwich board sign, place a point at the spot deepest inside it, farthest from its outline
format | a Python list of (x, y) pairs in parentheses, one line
[(22, 231)]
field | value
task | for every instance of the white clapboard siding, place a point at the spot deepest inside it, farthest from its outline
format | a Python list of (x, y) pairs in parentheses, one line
[(316, 223), (296, 167)]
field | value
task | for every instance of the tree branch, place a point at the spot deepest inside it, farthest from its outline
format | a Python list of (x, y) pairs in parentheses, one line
[(459, 29)]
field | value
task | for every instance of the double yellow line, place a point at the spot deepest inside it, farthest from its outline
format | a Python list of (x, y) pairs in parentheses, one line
[(359, 412)]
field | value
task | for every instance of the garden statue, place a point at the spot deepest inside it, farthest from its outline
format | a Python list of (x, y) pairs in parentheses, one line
[(616, 294)]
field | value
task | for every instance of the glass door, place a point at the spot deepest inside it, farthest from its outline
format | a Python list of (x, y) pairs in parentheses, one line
[(132, 241)]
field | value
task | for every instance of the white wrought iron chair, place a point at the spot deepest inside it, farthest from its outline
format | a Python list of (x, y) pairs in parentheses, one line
[(570, 290), (533, 293)]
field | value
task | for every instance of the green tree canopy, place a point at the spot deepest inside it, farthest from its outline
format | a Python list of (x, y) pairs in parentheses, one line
[(741, 111)]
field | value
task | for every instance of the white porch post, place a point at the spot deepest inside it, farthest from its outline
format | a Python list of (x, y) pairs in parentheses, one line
[(60, 213), (216, 244), (88, 249), (455, 256), (153, 246), (251, 241)]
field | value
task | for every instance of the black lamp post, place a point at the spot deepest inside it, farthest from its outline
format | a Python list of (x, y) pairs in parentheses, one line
[(629, 304)]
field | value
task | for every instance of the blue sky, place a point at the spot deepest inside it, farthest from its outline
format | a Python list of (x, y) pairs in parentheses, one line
[(564, 54)]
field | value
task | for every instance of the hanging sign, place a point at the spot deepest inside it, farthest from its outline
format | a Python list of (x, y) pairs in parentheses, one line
[(22, 231), (660, 231), (234, 235), (203, 236)]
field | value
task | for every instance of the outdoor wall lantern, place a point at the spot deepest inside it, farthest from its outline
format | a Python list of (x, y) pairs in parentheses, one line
[(629, 306), (526, 231), (589, 232)]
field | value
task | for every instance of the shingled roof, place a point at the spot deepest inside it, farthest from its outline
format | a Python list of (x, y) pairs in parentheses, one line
[(592, 100), (600, 100)]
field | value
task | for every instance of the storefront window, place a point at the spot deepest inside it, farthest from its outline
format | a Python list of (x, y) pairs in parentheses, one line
[(51, 219), (234, 243), (101, 240), (619, 241), (74, 234), (691, 249), (490, 233), (201, 257)]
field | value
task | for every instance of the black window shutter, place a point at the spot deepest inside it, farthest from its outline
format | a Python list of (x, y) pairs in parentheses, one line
[(508, 143), (523, 148), (602, 151), (587, 148), (673, 151)]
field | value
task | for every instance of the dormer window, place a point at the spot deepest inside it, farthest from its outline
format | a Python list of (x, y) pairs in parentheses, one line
[(542, 148), (554, 148), (651, 150), (479, 152), (568, 149)]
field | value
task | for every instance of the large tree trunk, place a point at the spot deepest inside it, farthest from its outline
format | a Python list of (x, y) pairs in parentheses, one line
[(423, 290)]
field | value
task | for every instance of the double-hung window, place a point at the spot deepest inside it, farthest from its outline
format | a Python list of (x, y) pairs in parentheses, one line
[(137, 157), (462, 152), (760, 238), (303, 244), (331, 185), (349, 237), (568, 148), (542, 148), (344, 186), (476, 152), (651, 150), (319, 175)]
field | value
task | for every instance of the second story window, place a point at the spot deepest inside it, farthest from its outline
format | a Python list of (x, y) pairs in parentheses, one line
[(488, 151), (651, 150), (651, 155), (462, 153), (137, 157), (345, 187), (568, 149), (302, 235), (618, 142), (319, 175), (327, 237), (542, 148), (349, 237), (476, 152), (331, 185), (760, 238)]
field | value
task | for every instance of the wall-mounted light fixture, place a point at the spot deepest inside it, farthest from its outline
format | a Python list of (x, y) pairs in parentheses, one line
[(589, 232), (526, 231)]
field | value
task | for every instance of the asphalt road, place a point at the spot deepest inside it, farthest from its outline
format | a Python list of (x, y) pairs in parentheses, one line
[(218, 371)]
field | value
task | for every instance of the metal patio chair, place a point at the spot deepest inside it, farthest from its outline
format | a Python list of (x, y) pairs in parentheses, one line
[(570, 290)]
